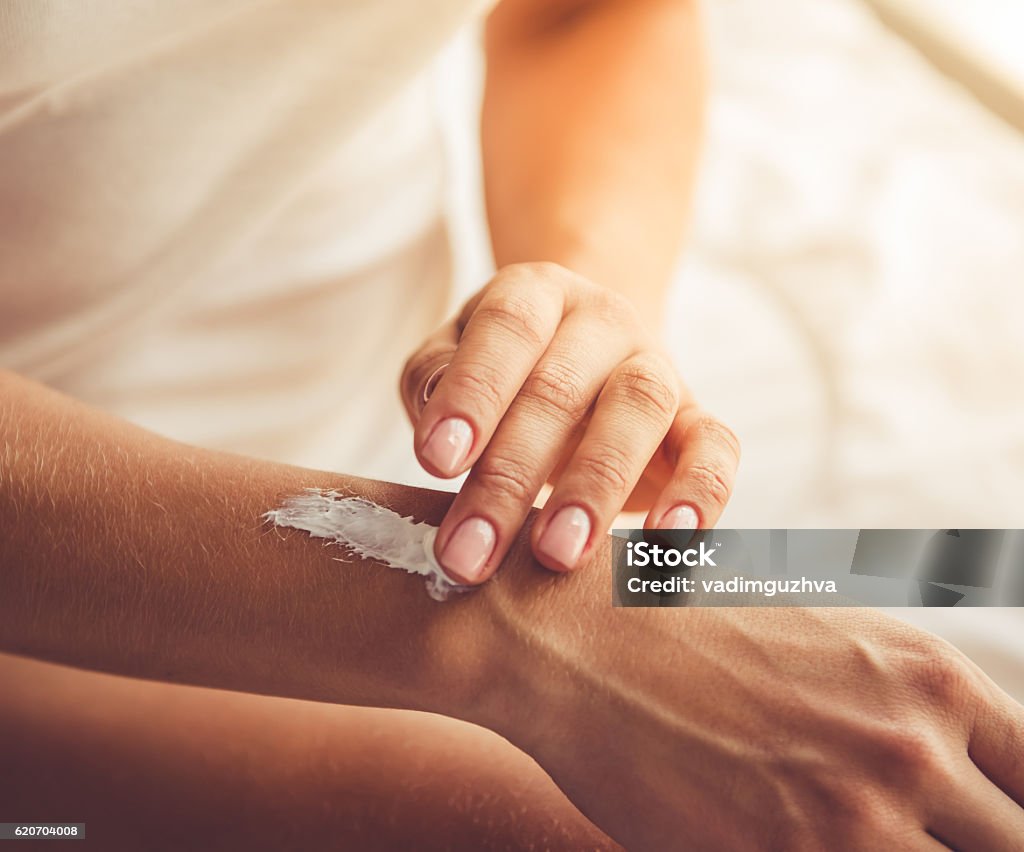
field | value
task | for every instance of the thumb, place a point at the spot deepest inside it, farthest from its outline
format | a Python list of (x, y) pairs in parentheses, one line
[(425, 367)]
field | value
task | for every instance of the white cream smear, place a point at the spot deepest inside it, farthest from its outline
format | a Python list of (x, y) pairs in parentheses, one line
[(370, 531)]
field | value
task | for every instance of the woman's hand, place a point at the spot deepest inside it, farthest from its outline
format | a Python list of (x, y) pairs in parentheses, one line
[(545, 376), (750, 729)]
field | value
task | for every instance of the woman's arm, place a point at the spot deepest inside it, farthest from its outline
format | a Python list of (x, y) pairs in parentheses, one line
[(715, 728), (591, 125), (123, 551), (162, 768), (554, 372)]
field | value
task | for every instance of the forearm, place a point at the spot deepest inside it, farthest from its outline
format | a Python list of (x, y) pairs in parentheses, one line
[(123, 551), (126, 552), (590, 131)]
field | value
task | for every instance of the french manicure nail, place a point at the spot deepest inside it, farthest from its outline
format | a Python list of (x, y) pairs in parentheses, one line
[(566, 536), (680, 517), (468, 549), (448, 445)]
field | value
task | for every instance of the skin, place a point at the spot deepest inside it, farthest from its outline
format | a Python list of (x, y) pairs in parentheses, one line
[(559, 381), (160, 766), (555, 368), (723, 728)]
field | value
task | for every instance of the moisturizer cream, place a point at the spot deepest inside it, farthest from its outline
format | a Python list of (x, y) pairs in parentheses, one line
[(370, 531)]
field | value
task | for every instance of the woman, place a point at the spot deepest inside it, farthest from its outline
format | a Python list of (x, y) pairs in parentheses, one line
[(222, 223)]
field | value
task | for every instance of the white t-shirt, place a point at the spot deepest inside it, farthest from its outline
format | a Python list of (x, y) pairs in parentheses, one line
[(222, 219)]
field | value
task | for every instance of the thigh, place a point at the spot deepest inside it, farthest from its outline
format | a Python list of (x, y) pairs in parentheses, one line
[(161, 766)]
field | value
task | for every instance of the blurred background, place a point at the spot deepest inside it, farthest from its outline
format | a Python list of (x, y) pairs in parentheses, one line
[(851, 301)]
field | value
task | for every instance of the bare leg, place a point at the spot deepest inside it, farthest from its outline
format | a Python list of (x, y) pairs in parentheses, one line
[(160, 766)]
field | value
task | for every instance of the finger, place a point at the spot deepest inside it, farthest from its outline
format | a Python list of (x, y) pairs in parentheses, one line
[(512, 324), (630, 419), (543, 419), (703, 455), (997, 743), (975, 814), (424, 368)]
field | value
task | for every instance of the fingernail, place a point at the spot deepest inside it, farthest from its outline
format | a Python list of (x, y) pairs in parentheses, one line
[(681, 517), (468, 549), (566, 536), (448, 445)]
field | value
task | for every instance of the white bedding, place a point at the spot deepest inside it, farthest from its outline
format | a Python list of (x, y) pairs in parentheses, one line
[(853, 302)]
